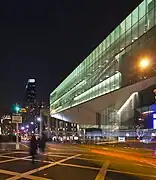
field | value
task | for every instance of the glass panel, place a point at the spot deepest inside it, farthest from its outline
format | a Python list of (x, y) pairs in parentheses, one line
[(128, 22), (128, 37), (141, 26), (150, 19), (142, 9), (104, 46), (135, 32), (112, 37), (116, 33), (108, 40), (150, 4), (100, 48), (135, 16), (122, 27), (122, 42)]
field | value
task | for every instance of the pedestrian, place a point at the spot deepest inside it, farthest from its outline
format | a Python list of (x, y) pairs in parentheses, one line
[(33, 148)]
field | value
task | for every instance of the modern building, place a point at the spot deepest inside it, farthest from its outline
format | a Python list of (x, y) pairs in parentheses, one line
[(6, 125), (103, 91), (30, 94)]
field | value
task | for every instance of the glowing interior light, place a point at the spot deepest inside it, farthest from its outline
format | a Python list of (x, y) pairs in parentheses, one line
[(154, 124), (31, 80), (127, 102)]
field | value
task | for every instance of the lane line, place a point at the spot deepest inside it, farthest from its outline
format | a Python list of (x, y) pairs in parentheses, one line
[(14, 159), (9, 172), (25, 145), (103, 171), (88, 159), (9, 157), (79, 166), (37, 178), (9, 153), (65, 153), (131, 173), (16, 173), (42, 168), (57, 155)]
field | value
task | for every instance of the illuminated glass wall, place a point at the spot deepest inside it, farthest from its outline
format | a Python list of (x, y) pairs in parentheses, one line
[(100, 72)]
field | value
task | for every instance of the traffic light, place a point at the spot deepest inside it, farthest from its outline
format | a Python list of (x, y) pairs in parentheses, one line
[(16, 108)]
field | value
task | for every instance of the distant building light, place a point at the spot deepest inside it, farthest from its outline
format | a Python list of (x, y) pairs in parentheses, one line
[(31, 80), (32, 123), (38, 119), (22, 128), (147, 112)]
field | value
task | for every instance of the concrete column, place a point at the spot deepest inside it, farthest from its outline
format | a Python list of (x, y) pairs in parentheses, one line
[(98, 119), (56, 127), (48, 124), (41, 124)]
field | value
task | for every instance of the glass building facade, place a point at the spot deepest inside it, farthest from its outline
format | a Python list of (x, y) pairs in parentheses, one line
[(114, 63)]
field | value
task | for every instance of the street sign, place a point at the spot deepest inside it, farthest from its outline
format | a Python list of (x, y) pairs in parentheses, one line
[(121, 139), (16, 119)]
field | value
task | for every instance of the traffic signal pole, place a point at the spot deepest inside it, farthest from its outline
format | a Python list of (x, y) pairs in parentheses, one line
[(17, 129), (17, 137)]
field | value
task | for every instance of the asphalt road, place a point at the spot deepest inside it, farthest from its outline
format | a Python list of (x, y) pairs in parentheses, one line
[(69, 162)]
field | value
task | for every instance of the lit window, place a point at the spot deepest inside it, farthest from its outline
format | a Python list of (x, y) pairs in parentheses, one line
[(154, 124), (154, 116)]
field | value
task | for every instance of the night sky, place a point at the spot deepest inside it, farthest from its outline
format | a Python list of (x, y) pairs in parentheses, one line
[(48, 39)]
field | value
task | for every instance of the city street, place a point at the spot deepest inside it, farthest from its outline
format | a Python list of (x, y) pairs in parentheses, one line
[(72, 162)]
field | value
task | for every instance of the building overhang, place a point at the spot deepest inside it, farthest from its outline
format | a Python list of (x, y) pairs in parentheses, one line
[(85, 114)]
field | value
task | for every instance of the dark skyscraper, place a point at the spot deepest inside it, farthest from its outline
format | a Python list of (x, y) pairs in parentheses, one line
[(30, 100)]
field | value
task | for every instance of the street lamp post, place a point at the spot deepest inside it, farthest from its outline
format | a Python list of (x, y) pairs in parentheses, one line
[(40, 121)]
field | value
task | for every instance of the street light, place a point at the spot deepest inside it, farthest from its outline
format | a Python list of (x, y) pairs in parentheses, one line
[(39, 119), (144, 63), (32, 123), (22, 128)]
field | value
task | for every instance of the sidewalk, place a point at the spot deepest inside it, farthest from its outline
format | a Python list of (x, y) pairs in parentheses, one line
[(11, 146)]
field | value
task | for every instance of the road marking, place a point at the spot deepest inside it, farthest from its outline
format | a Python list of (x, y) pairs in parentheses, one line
[(79, 166), (8, 153), (62, 153), (57, 155), (132, 173), (89, 159), (14, 159), (103, 171), (42, 168), (9, 157), (9, 172), (16, 173), (37, 178), (25, 145)]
